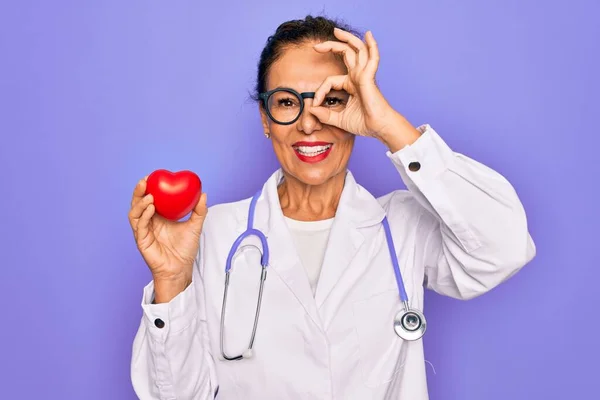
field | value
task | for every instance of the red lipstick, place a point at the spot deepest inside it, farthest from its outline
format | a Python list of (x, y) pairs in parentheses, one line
[(305, 152)]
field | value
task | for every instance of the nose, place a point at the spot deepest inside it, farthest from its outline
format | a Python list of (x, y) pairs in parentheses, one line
[(307, 122)]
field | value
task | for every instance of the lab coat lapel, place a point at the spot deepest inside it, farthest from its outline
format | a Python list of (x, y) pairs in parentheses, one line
[(357, 209), (283, 256)]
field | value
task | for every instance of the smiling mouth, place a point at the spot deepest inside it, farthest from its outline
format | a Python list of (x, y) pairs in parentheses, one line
[(312, 151)]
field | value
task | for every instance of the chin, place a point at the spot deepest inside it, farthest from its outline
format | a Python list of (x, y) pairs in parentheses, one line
[(315, 176)]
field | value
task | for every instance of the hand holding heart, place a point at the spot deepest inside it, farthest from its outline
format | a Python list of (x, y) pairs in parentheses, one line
[(168, 246)]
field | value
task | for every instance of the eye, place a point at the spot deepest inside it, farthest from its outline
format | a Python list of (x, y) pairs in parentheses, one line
[(333, 101), (286, 102)]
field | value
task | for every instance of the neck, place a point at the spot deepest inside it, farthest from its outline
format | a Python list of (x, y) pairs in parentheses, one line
[(304, 202)]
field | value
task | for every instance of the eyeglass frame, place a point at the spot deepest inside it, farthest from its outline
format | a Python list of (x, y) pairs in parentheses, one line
[(304, 95)]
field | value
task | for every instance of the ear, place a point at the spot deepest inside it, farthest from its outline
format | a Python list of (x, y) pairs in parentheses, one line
[(264, 118)]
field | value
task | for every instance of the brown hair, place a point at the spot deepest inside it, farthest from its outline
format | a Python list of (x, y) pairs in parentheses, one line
[(295, 32)]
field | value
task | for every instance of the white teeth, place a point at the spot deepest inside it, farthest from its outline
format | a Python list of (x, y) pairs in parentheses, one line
[(312, 151)]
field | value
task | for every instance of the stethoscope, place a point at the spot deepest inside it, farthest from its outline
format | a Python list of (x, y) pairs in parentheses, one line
[(409, 323)]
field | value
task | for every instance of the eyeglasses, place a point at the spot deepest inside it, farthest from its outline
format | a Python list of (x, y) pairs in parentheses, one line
[(284, 105)]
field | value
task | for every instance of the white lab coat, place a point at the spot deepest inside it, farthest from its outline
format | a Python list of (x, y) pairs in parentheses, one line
[(459, 229)]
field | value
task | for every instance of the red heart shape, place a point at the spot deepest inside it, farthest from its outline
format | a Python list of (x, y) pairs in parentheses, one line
[(175, 193)]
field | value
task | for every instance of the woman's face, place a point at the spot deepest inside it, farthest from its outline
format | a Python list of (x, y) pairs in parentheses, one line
[(308, 150)]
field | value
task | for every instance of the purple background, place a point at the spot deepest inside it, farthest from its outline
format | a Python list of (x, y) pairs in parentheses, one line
[(94, 96)]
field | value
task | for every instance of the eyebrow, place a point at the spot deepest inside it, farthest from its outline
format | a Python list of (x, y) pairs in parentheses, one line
[(306, 91)]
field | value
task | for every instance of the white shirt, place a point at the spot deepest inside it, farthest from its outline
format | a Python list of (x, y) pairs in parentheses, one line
[(310, 240), (459, 229)]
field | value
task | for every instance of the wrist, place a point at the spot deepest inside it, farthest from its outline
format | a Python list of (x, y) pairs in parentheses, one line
[(398, 133), (166, 289)]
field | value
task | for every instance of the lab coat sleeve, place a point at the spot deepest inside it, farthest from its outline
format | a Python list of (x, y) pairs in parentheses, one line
[(173, 361), (472, 228)]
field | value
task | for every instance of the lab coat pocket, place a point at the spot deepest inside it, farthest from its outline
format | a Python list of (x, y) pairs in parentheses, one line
[(382, 352)]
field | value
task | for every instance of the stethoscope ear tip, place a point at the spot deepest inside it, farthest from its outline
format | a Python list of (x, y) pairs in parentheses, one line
[(248, 353)]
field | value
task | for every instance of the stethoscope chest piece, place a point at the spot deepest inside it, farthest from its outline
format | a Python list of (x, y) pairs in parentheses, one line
[(410, 324)]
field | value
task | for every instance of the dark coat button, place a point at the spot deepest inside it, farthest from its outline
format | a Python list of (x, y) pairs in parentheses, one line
[(159, 323), (414, 166)]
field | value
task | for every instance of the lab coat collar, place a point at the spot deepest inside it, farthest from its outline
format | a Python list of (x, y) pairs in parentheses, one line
[(357, 209), (357, 206)]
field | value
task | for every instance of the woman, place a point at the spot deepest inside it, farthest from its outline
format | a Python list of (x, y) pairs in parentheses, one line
[(326, 328)]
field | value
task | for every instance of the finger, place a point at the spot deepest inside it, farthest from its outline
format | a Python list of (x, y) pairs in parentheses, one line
[(143, 225), (139, 191), (335, 82), (358, 45), (327, 116), (199, 212), (338, 47), (137, 210), (373, 63)]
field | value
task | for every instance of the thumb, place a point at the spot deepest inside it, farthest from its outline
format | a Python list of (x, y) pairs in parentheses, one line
[(326, 115), (199, 213)]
